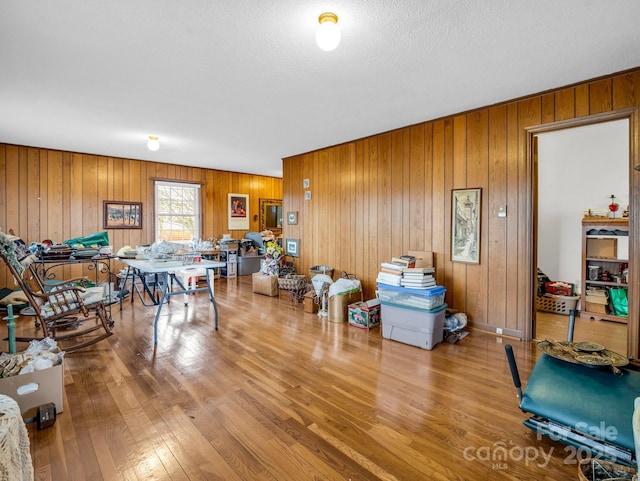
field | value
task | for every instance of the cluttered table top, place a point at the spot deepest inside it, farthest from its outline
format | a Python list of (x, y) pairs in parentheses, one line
[(157, 266)]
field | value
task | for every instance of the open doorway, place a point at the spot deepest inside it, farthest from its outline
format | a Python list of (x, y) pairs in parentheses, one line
[(577, 168)]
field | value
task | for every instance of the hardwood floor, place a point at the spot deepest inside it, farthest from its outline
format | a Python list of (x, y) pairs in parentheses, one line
[(279, 394)]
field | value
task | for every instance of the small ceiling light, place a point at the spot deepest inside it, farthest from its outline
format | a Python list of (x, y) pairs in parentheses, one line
[(153, 143), (328, 33)]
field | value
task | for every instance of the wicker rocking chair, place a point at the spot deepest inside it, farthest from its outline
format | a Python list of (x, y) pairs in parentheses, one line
[(69, 313)]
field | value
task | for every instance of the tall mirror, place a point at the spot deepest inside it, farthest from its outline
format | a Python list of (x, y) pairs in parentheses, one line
[(271, 215)]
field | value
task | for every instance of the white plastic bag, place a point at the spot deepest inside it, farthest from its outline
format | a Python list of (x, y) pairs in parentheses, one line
[(343, 285)]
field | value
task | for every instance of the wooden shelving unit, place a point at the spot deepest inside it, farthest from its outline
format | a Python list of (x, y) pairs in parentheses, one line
[(605, 245)]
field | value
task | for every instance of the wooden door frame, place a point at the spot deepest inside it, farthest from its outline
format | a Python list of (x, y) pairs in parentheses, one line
[(633, 115)]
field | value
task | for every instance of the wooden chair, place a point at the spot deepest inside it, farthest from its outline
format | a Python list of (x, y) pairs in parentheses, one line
[(66, 312)]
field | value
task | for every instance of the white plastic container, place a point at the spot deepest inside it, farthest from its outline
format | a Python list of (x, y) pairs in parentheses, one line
[(418, 327)]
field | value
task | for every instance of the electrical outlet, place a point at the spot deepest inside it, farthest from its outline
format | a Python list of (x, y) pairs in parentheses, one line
[(498, 330)]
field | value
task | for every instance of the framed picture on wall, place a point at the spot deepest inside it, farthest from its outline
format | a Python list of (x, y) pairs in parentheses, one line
[(465, 225), (291, 247), (238, 211), (117, 214)]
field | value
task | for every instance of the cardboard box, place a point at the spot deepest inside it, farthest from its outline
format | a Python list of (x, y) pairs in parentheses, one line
[(310, 302), (339, 305), (602, 248), (265, 284), (365, 315), (423, 258), (597, 308), (560, 288), (290, 296), (34, 389)]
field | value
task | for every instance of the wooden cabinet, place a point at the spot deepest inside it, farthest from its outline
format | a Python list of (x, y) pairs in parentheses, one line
[(605, 258)]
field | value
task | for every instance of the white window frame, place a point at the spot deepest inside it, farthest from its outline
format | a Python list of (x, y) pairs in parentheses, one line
[(159, 215)]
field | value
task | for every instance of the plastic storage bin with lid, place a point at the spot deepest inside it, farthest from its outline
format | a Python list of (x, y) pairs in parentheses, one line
[(422, 328), (427, 298)]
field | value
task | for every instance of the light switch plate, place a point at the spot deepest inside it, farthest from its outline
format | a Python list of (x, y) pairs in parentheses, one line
[(502, 211)]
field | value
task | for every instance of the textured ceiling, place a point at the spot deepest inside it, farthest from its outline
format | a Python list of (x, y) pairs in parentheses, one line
[(238, 85)]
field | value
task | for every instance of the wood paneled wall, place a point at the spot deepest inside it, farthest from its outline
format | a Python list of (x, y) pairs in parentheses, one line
[(384, 195), (51, 194), (371, 198)]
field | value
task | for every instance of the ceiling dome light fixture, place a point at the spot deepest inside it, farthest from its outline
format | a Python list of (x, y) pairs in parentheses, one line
[(153, 143), (328, 33)]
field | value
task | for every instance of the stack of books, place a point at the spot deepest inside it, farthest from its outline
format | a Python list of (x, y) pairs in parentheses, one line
[(410, 261), (401, 271), (418, 277), (391, 272)]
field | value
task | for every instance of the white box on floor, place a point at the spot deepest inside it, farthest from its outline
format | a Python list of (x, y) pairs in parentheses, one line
[(418, 327), (34, 389)]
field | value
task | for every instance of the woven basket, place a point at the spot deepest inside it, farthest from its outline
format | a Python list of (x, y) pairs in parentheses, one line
[(321, 270), (292, 282), (599, 470)]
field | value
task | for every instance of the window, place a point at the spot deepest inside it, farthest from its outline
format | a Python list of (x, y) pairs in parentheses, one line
[(177, 211)]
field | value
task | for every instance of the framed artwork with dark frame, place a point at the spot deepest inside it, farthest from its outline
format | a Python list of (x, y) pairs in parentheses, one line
[(117, 214), (465, 225), (292, 218), (291, 247)]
